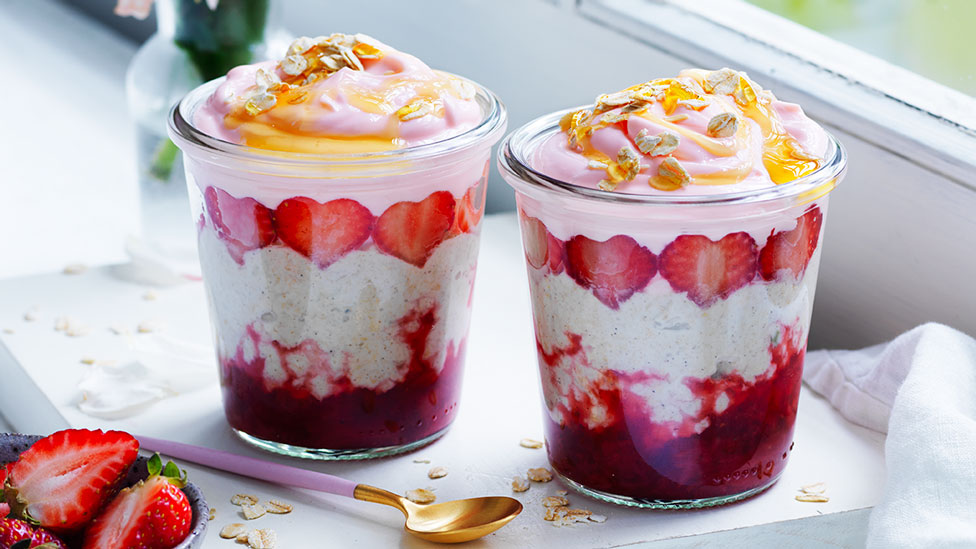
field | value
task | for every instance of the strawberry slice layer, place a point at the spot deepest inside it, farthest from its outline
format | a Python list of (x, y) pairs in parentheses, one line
[(63, 480), (614, 270), (787, 253), (412, 230), (243, 223), (323, 232), (708, 270)]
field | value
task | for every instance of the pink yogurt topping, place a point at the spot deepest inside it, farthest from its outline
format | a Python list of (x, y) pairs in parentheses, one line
[(769, 134), (339, 94)]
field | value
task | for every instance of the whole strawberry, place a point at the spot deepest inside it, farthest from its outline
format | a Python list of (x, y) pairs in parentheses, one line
[(62, 481), (153, 514), (17, 534)]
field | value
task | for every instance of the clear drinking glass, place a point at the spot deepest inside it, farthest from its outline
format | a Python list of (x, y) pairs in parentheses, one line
[(345, 339), (658, 394)]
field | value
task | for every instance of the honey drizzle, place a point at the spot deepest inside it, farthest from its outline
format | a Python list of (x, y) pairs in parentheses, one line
[(281, 127), (782, 156)]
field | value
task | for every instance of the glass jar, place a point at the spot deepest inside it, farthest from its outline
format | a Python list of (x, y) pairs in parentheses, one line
[(659, 393), (339, 285), (192, 44)]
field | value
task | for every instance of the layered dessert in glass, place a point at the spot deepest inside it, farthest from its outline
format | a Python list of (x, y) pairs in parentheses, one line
[(337, 195), (672, 234)]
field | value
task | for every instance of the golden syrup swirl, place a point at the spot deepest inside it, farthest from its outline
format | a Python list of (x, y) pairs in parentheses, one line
[(782, 157)]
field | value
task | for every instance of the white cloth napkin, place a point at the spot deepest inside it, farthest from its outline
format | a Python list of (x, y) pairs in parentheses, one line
[(920, 388)]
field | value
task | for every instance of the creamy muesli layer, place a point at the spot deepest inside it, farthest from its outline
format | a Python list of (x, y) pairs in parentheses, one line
[(323, 330)]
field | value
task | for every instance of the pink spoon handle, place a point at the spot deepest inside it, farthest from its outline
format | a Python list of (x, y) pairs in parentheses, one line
[(251, 467)]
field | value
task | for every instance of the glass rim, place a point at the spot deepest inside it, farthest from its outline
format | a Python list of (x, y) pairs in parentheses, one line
[(185, 133), (513, 164)]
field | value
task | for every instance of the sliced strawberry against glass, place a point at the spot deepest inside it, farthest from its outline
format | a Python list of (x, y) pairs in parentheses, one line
[(788, 252), (541, 247), (412, 231), (614, 270), (153, 514), (323, 232), (708, 270), (243, 223), (61, 481), (15, 531), (557, 254), (470, 209), (535, 238)]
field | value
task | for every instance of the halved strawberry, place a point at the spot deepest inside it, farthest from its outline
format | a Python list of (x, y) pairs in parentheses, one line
[(412, 230), (153, 514), (244, 223), (63, 480), (16, 531), (708, 270), (789, 252), (470, 208), (323, 232), (613, 269)]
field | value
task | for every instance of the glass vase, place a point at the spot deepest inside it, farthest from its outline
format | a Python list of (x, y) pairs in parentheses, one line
[(192, 44)]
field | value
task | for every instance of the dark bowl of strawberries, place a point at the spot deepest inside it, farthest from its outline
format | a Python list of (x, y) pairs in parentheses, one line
[(81, 489)]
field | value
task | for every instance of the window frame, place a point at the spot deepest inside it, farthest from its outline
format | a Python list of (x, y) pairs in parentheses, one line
[(892, 108)]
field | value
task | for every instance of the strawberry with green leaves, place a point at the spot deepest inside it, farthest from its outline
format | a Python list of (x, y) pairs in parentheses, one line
[(63, 480), (153, 514)]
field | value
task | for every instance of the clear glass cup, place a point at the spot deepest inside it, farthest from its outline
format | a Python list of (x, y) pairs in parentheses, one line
[(339, 286), (658, 392)]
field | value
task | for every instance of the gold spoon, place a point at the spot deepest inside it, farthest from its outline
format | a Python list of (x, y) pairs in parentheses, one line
[(449, 522)]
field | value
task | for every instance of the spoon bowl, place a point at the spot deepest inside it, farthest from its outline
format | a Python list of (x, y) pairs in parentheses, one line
[(449, 522)]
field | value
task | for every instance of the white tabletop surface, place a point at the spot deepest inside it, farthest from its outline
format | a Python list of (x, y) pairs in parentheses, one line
[(78, 204)]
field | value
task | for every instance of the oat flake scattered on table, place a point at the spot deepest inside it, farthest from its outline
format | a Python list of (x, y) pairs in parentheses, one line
[(232, 531), (242, 499), (252, 512), (437, 472), (519, 484), (421, 496), (539, 474)]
